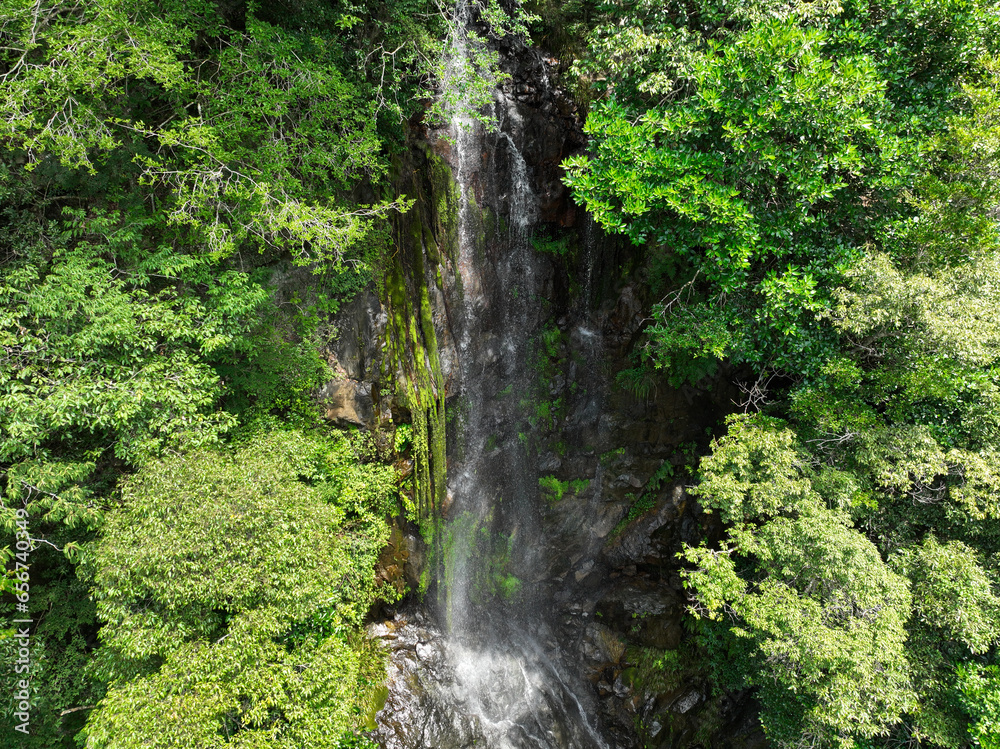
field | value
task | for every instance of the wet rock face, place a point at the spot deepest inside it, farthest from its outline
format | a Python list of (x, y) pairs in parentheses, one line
[(430, 704), (402, 559), (414, 715), (552, 129), (348, 402), (355, 355), (356, 348)]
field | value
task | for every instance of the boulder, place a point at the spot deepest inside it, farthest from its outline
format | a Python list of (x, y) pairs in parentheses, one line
[(348, 402)]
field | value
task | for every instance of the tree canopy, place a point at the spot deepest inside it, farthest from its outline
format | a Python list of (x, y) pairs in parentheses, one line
[(163, 167), (232, 587), (816, 187)]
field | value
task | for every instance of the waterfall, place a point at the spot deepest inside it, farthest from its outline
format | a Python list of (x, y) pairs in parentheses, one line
[(507, 663), (484, 662)]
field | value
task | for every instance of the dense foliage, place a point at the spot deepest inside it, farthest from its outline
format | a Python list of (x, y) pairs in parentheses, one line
[(188, 193), (232, 587), (172, 176), (817, 186), (758, 151), (188, 190)]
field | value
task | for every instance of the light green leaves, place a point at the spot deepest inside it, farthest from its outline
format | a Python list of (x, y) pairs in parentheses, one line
[(260, 141), (90, 353), (825, 618), (952, 593), (840, 642), (815, 186), (754, 471), (765, 147), (232, 588), (950, 311), (980, 689), (71, 62)]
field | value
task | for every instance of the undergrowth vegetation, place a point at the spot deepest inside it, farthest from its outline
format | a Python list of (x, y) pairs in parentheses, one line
[(190, 190)]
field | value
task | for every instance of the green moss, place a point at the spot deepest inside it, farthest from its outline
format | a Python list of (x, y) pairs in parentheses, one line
[(640, 506), (469, 536), (426, 236), (611, 456), (551, 338), (416, 229), (647, 501), (543, 412), (432, 249), (558, 246), (654, 671), (374, 704), (552, 488), (445, 205), (509, 586)]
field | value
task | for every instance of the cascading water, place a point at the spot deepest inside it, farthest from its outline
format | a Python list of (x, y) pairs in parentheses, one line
[(547, 564), (497, 677), (500, 642)]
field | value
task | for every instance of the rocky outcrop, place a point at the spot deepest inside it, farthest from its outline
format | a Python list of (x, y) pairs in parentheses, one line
[(414, 714), (356, 349), (348, 402), (550, 131)]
